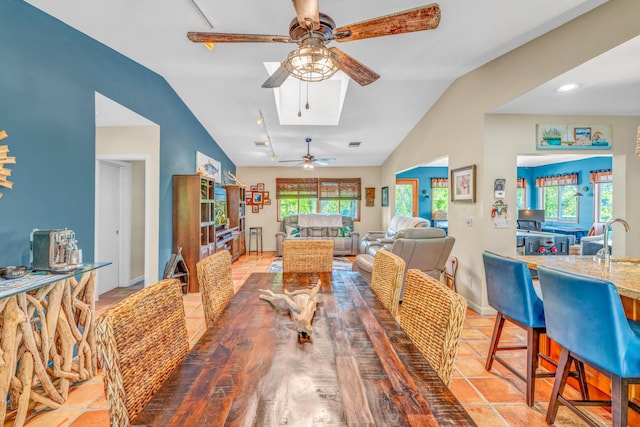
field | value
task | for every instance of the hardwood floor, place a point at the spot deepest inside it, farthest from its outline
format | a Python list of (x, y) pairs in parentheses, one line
[(492, 399)]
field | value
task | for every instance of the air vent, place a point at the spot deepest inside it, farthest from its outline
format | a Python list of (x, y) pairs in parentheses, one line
[(354, 144), (262, 144)]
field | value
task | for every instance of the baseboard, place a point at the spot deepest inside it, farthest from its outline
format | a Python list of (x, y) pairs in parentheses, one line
[(483, 310), (133, 281)]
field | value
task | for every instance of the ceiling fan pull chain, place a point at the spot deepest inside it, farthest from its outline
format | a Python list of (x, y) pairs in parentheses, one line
[(307, 106), (299, 98)]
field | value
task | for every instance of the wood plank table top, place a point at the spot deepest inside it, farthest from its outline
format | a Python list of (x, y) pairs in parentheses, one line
[(357, 368), (622, 272)]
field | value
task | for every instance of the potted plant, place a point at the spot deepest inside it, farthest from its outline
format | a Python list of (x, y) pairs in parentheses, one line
[(553, 136)]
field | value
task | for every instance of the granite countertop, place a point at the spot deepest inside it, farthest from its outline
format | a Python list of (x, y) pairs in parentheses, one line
[(624, 272)]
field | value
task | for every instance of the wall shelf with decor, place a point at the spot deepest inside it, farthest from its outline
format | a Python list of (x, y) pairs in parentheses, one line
[(236, 209)]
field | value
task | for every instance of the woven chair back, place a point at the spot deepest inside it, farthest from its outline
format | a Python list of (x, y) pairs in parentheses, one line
[(433, 315), (386, 279), (216, 284), (140, 341), (307, 255)]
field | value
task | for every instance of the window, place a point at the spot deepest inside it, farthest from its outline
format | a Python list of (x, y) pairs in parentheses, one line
[(603, 194), (318, 195), (559, 197), (521, 194), (439, 197)]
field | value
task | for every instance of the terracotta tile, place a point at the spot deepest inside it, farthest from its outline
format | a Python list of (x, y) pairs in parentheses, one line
[(485, 415), (57, 418), (465, 350), (83, 395), (498, 390), (472, 367), (520, 415), (99, 418), (464, 392), (474, 334), (480, 321)]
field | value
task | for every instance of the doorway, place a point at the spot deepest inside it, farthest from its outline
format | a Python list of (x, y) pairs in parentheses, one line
[(406, 197)]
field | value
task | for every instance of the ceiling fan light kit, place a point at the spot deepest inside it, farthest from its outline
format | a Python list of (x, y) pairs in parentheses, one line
[(312, 61)]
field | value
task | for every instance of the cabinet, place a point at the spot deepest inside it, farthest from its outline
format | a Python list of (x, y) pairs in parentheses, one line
[(236, 207), (194, 227)]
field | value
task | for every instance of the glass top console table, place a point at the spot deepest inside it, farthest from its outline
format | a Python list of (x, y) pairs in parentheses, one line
[(48, 337)]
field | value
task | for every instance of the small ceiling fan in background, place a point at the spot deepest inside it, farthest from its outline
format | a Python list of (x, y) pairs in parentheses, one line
[(308, 160), (312, 30)]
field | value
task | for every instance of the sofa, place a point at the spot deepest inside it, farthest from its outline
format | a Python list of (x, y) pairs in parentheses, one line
[(339, 228), (374, 240), (426, 249)]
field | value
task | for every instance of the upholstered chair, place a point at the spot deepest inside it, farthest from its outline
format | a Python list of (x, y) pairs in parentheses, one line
[(585, 316), (433, 316), (141, 340), (375, 240), (216, 284), (425, 249), (511, 293)]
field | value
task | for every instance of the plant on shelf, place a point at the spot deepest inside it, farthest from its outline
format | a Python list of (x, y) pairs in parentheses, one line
[(553, 136)]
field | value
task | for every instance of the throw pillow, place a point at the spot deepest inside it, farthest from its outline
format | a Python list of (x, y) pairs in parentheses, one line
[(293, 231), (344, 231)]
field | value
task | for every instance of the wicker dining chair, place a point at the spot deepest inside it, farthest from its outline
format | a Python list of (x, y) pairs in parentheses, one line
[(140, 342), (216, 284), (307, 255), (433, 315), (386, 279)]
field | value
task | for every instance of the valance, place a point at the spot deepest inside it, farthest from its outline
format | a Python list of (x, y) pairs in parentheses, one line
[(557, 180)]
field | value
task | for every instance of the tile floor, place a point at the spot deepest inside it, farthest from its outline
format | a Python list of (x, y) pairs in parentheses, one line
[(492, 398)]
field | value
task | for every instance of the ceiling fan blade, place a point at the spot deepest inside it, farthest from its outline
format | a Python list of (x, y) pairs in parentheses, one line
[(277, 78), (307, 10), (289, 161), (359, 72), (324, 162), (236, 38), (418, 19)]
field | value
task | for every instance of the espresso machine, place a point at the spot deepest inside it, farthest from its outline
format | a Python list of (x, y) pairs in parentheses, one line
[(54, 250)]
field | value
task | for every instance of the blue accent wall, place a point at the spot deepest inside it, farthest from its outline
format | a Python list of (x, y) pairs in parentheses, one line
[(582, 168), (424, 175), (49, 74)]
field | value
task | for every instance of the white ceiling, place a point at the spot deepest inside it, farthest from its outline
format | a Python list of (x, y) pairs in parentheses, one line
[(222, 87)]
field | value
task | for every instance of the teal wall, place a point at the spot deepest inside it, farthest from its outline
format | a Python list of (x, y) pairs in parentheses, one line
[(424, 175), (49, 74)]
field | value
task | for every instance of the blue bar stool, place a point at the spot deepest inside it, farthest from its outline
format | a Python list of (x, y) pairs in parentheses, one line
[(510, 291), (585, 316)]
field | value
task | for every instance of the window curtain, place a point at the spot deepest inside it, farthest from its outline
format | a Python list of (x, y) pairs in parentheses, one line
[(597, 177), (521, 183), (339, 188), (557, 180), (439, 183), (296, 188)]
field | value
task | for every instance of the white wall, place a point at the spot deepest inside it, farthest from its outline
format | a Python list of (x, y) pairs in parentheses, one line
[(138, 142), (267, 218), (455, 127)]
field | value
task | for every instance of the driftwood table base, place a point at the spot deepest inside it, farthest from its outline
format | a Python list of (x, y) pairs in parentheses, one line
[(47, 342)]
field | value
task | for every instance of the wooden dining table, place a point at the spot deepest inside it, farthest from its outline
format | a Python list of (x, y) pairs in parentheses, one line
[(357, 368)]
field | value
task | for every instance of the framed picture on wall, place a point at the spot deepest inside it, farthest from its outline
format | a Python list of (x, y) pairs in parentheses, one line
[(266, 201), (463, 184), (257, 197), (385, 196), (255, 208)]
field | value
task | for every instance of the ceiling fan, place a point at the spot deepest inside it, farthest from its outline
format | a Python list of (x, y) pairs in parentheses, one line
[(312, 30), (309, 160)]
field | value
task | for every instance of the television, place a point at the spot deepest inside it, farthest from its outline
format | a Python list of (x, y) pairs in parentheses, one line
[(530, 219), (220, 207)]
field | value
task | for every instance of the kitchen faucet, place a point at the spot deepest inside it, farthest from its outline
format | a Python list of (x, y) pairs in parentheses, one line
[(604, 252)]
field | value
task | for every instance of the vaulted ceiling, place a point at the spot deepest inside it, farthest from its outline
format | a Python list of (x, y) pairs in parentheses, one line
[(223, 87)]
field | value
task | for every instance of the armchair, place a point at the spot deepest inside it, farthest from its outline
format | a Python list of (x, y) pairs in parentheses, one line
[(374, 240), (425, 249)]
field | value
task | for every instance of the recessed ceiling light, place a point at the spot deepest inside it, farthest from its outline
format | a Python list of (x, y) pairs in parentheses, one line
[(568, 87), (354, 144)]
